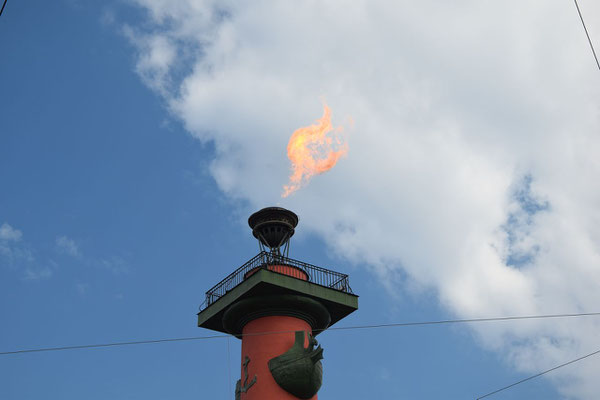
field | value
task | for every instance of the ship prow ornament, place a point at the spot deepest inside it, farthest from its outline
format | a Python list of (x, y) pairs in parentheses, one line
[(299, 370)]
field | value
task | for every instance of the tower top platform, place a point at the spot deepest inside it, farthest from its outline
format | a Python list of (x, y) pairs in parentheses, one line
[(270, 281)]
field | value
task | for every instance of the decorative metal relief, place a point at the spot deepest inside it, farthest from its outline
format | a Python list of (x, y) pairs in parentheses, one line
[(299, 370), (239, 389)]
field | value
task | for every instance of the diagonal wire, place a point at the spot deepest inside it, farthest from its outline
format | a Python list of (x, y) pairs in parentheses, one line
[(391, 325), (538, 375), (587, 34), (90, 346), (2, 9), (459, 321)]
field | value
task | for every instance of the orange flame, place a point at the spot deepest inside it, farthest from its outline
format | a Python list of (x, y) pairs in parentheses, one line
[(312, 151)]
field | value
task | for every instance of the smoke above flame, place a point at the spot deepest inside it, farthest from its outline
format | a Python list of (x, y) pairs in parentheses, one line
[(313, 150)]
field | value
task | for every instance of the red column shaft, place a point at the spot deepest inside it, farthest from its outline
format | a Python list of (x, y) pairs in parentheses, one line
[(261, 348)]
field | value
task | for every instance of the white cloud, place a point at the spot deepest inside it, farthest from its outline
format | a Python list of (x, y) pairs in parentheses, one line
[(8, 233), (115, 264), (12, 251), (67, 246), (473, 163), (156, 57), (20, 256), (36, 274)]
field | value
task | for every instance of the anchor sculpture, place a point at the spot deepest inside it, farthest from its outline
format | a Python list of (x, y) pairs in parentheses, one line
[(239, 389), (299, 370)]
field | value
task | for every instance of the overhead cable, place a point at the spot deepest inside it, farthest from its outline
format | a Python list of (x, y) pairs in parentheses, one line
[(587, 34), (538, 375), (462, 321), (390, 325)]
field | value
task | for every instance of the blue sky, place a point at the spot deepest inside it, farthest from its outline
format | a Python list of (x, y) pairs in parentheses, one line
[(124, 190)]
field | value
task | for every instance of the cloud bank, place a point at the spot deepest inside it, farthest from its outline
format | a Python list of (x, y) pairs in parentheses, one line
[(472, 168)]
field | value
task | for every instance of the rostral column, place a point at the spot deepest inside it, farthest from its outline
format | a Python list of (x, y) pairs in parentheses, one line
[(276, 306)]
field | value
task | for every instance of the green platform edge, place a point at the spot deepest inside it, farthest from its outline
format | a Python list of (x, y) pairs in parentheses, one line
[(338, 303)]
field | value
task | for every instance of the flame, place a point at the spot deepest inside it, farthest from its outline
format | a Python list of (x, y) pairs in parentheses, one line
[(312, 151)]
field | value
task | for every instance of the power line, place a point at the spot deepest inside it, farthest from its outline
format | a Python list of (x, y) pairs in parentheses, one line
[(587, 34), (540, 374), (90, 346), (390, 325), (2, 9), (457, 321)]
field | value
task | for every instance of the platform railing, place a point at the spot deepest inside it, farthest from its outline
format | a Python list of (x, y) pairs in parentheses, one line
[(317, 275)]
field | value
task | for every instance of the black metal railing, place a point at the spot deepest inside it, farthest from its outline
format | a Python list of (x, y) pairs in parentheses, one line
[(317, 275)]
